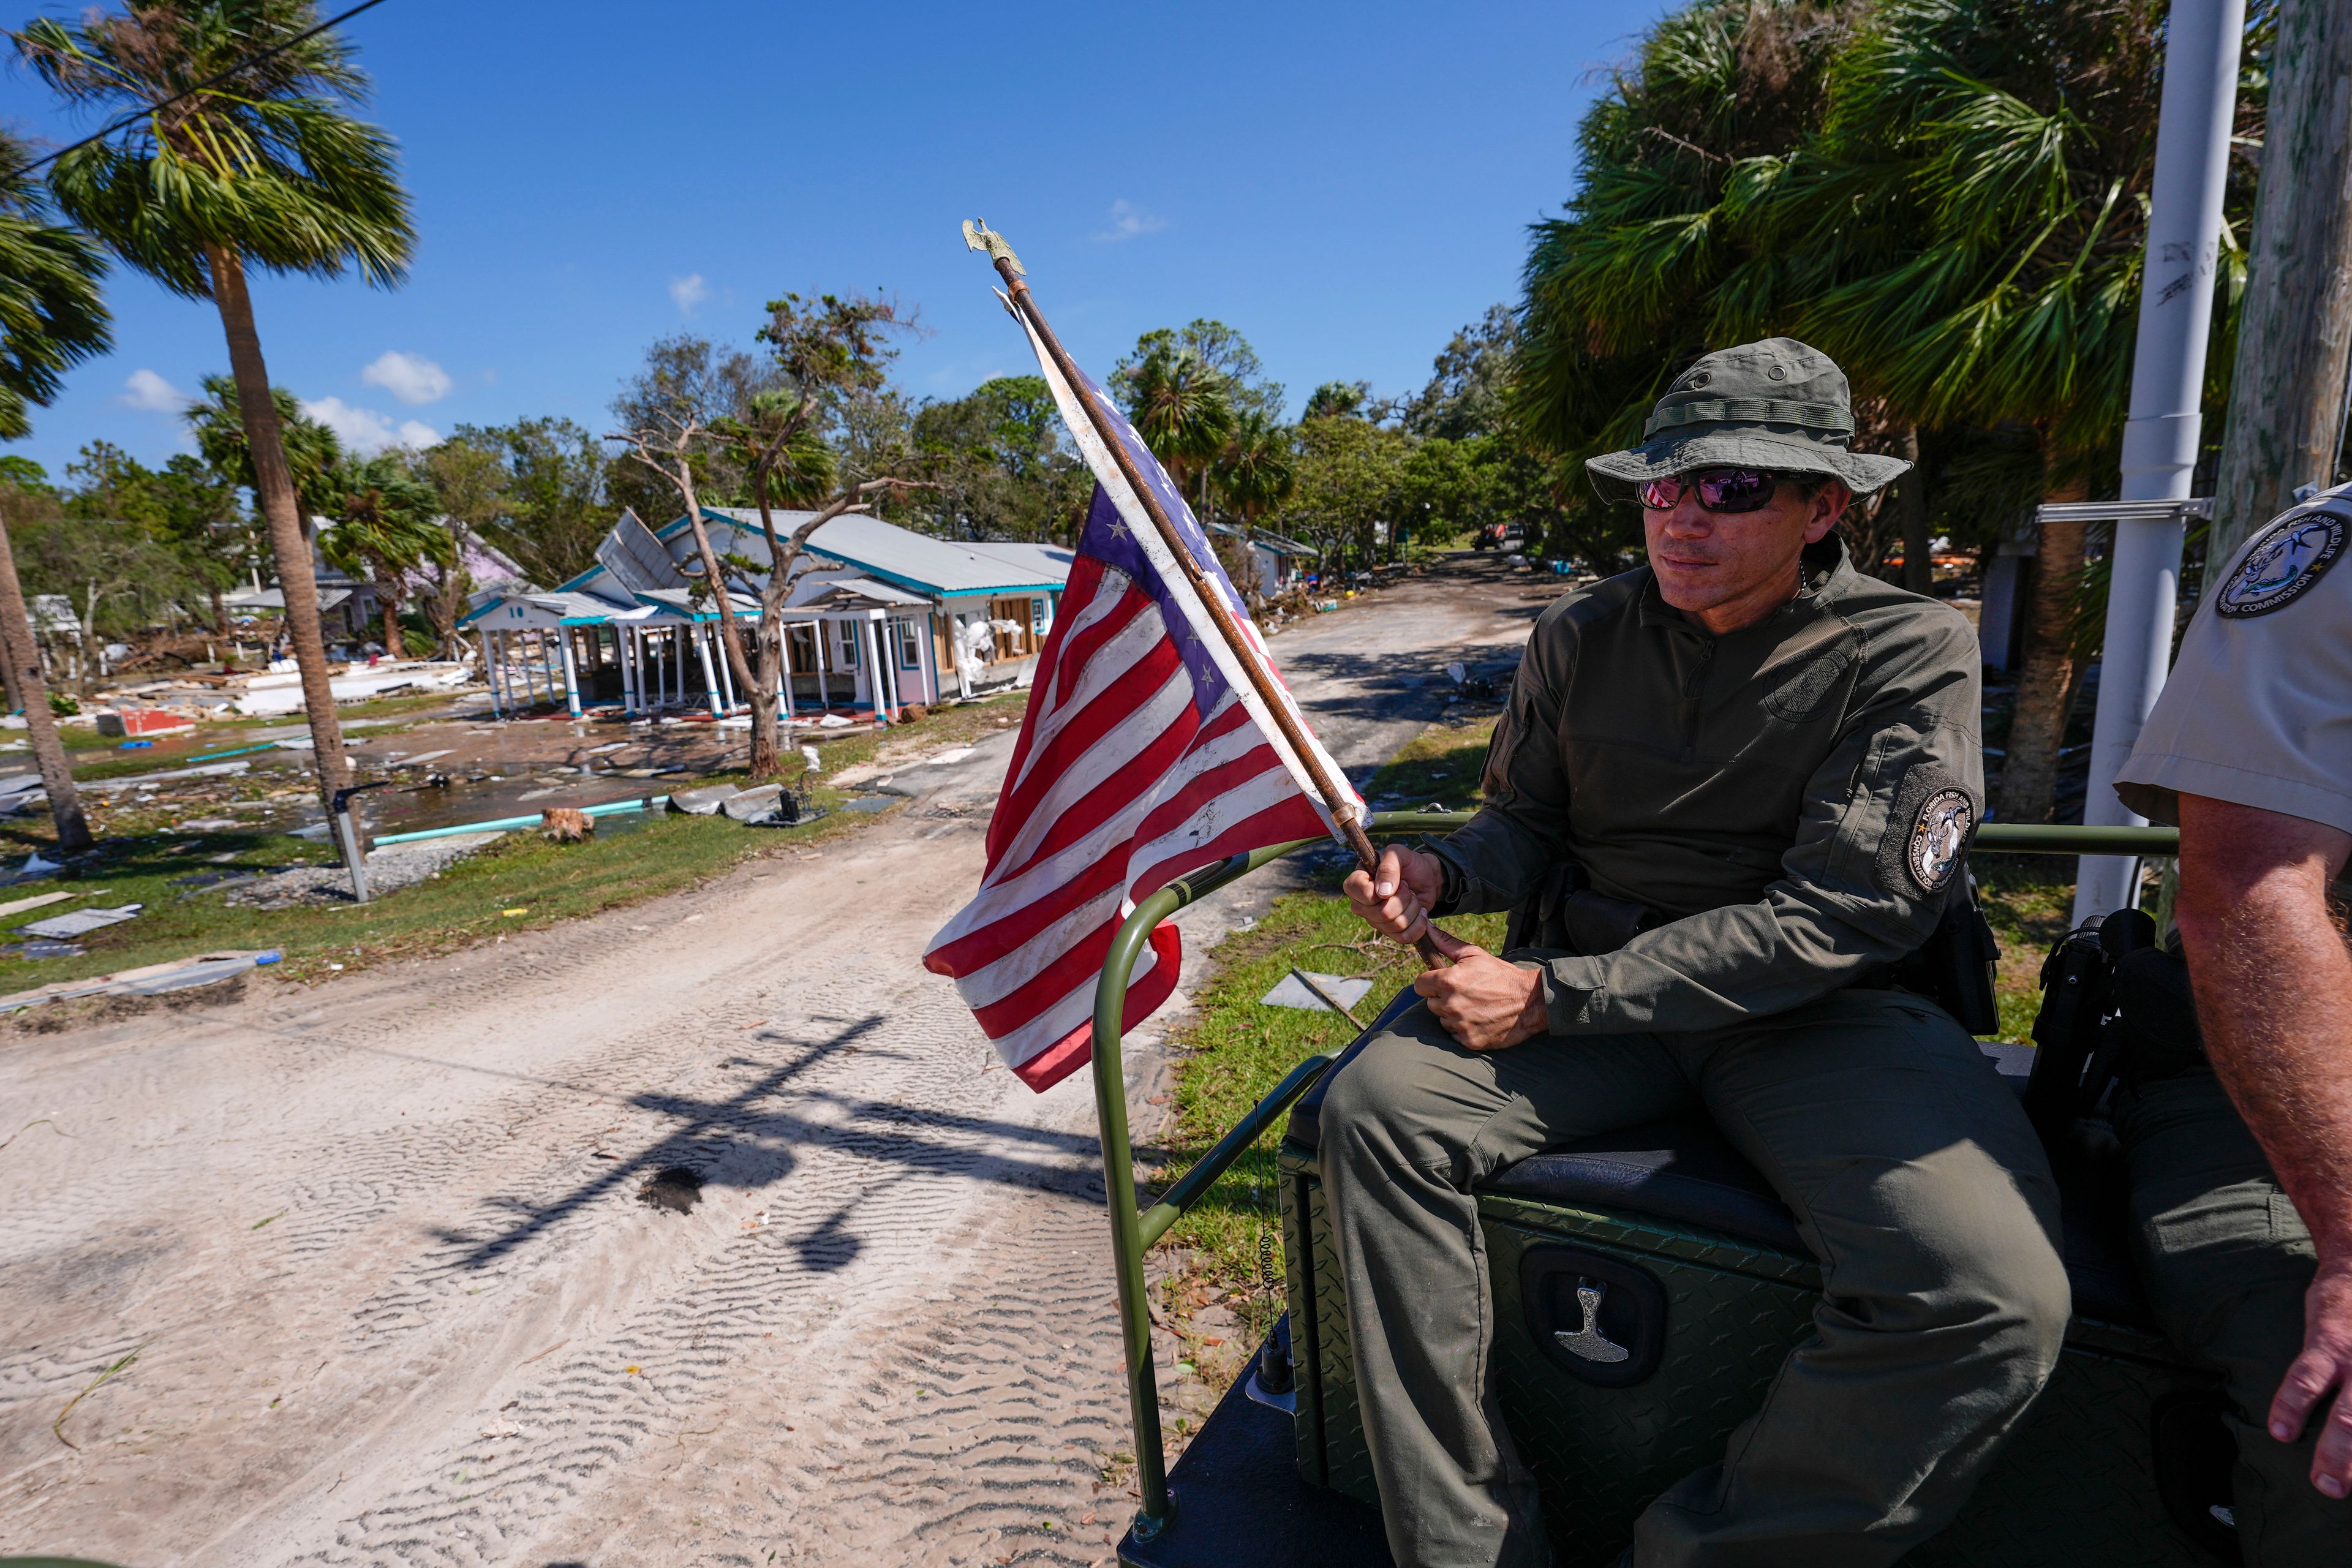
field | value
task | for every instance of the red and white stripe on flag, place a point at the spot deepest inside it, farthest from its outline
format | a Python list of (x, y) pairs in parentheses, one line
[(1145, 753)]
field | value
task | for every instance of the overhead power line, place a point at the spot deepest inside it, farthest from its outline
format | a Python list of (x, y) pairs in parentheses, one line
[(103, 132)]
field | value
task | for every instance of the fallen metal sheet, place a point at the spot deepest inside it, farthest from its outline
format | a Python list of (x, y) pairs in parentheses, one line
[(702, 802), (148, 980), (134, 781), (1351, 989), (81, 922)]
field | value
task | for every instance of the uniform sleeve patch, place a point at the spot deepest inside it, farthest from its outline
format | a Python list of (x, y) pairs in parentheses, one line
[(2281, 564), (1928, 832)]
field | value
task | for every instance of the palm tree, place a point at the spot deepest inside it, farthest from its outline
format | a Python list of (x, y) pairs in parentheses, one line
[(1183, 407), (264, 168), (1625, 289), (51, 318), (1256, 472), (1965, 233), (387, 523), (314, 454)]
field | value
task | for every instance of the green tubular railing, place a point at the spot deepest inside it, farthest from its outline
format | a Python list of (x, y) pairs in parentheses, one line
[(1133, 1232)]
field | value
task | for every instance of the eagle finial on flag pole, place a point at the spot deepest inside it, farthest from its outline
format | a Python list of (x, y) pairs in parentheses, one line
[(978, 235)]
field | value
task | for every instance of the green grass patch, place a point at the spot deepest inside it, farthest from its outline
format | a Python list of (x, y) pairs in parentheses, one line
[(2030, 901), (467, 903)]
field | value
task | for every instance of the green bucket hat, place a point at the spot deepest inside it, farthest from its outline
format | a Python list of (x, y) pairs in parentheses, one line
[(1777, 404)]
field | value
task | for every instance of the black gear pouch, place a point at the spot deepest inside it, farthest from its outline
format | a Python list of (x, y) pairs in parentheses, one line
[(1565, 916), (2116, 1006), (1955, 967)]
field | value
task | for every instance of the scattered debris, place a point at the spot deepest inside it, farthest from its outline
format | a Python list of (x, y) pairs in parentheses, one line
[(390, 868), (566, 826), (42, 948), (143, 781), (676, 1189), (18, 906), (81, 922), (752, 804), (58, 1428), (1294, 992), (702, 802), (148, 980)]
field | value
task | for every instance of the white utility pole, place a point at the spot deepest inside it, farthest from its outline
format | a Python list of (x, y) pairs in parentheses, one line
[(2161, 439)]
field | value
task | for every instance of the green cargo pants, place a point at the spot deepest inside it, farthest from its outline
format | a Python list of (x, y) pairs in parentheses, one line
[(2226, 1260), (1915, 1179)]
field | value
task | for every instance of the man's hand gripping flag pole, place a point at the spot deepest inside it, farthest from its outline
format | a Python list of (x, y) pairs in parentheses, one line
[(1338, 804)]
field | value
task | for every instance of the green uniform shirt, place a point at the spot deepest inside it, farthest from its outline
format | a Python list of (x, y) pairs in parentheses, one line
[(1791, 800)]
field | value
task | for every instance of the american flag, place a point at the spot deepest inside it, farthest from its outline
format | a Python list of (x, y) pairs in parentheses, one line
[(1145, 753)]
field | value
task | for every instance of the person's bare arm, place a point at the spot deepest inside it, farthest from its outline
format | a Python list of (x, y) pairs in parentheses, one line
[(2273, 985)]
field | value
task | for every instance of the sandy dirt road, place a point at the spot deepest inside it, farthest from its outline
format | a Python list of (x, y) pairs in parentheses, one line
[(370, 1269)]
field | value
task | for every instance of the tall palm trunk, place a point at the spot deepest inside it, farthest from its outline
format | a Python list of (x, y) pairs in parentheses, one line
[(91, 647), (2049, 677), (8, 677), (40, 724), (274, 485)]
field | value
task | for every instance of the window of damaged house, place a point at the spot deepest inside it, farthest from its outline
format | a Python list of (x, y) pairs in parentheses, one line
[(910, 644), (848, 643)]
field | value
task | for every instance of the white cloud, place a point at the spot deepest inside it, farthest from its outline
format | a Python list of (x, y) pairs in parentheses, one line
[(1128, 220), (407, 377), (689, 291), (365, 431), (150, 392)]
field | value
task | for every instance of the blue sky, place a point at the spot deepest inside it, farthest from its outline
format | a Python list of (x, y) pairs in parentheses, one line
[(1344, 185)]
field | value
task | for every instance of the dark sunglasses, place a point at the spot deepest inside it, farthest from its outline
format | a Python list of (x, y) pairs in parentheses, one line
[(1720, 490)]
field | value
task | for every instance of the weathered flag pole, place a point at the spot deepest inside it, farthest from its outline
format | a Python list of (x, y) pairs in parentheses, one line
[(979, 237)]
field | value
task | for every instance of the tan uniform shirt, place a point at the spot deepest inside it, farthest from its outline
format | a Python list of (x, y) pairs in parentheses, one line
[(1791, 801), (2258, 708)]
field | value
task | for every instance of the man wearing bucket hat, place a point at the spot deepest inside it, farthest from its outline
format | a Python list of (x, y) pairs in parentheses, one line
[(1730, 798)]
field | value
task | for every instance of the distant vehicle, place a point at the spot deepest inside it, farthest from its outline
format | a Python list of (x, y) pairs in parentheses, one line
[(1500, 536)]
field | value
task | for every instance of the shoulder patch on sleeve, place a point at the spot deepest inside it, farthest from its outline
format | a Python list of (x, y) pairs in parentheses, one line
[(2281, 564), (1928, 832)]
